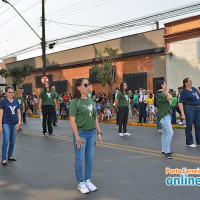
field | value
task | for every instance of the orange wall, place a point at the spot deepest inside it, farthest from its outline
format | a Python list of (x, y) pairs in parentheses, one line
[(183, 25), (134, 64)]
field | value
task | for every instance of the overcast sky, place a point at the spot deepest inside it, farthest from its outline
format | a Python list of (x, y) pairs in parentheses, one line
[(16, 35)]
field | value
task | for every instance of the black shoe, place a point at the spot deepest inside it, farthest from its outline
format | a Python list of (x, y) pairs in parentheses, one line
[(54, 124), (172, 153), (12, 159), (168, 155), (4, 164)]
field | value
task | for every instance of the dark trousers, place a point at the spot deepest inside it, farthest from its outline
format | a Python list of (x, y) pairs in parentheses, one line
[(192, 115), (47, 112), (62, 105), (24, 117), (117, 117), (55, 119), (123, 117), (142, 112)]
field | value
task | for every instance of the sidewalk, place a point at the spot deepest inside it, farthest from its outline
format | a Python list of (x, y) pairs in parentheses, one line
[(133, 119)]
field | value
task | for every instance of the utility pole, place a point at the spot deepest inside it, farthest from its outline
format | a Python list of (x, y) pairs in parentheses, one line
[(43, 41), (43, 38)]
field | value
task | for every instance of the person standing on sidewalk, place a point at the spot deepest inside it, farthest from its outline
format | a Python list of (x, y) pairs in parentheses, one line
[(164, 116), (18, 96), (122, 103), (55, 119), (35, 103), (189, 105), (46, 103), (173, 105), (25, 105), (117, 113), (84, 121), (10, 120)]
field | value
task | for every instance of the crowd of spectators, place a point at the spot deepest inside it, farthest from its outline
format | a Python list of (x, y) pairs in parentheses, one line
[(141, 104)]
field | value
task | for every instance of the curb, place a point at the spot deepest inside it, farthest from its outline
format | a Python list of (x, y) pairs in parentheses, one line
[(129, 123)]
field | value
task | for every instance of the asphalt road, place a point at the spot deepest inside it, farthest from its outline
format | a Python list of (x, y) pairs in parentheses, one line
[(125, 168)]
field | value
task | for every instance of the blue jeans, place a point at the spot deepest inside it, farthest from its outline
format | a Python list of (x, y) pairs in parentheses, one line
[(86, 152), (167, 133), (192, 115), (173, 115), (21, 116), (158, 123), (9, 135)]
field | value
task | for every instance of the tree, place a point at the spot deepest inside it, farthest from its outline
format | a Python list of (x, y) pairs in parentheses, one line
[(106, 70), (18, 74)]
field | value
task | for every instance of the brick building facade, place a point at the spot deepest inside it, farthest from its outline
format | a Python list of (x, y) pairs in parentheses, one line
[(142, 63)]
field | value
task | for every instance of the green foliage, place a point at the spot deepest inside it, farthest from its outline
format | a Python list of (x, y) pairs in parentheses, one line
[(4, 73), (18, 74), (105, 72)]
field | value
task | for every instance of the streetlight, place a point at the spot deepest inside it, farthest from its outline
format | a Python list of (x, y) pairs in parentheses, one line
[(43, 42)]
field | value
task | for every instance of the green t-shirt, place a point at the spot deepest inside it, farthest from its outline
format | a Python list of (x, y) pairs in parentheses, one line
[(90, 95), (174, 101), (48, 98), (163, 105), (123, 99), (61, 100), (57, 97), (135, 97), (85, 112), (21, 101)]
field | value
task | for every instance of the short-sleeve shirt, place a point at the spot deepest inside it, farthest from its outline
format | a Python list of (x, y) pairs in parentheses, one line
[(85, 112), (163, 105), (48, 97), (135, 97), (150, 100), (21, 101), (190, 97), (9, 111), (57, 97), (123, 99), (174, 101)]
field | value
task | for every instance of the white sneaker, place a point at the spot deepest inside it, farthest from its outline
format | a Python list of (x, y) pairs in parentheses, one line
[(192, 145), (127, 134), (46, 134), (90, 185), (121, 134), (180, 123), (83, 188)]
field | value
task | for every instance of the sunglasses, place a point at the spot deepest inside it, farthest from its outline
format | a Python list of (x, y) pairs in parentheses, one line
[(86, 84)]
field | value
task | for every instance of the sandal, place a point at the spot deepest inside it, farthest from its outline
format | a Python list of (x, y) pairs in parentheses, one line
[(4, 163), (12, 159)]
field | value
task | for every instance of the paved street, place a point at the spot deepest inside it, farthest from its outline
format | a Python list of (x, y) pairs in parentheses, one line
[(130, 168)]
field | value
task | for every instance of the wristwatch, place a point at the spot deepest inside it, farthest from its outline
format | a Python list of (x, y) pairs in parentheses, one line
[(99, 133)]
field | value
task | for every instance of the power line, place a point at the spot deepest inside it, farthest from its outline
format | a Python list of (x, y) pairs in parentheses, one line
[(80, 9), (75, 6), (68, 8), (20, 12), (80, 25), (133, 23), (114, 28), (9, 7)]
